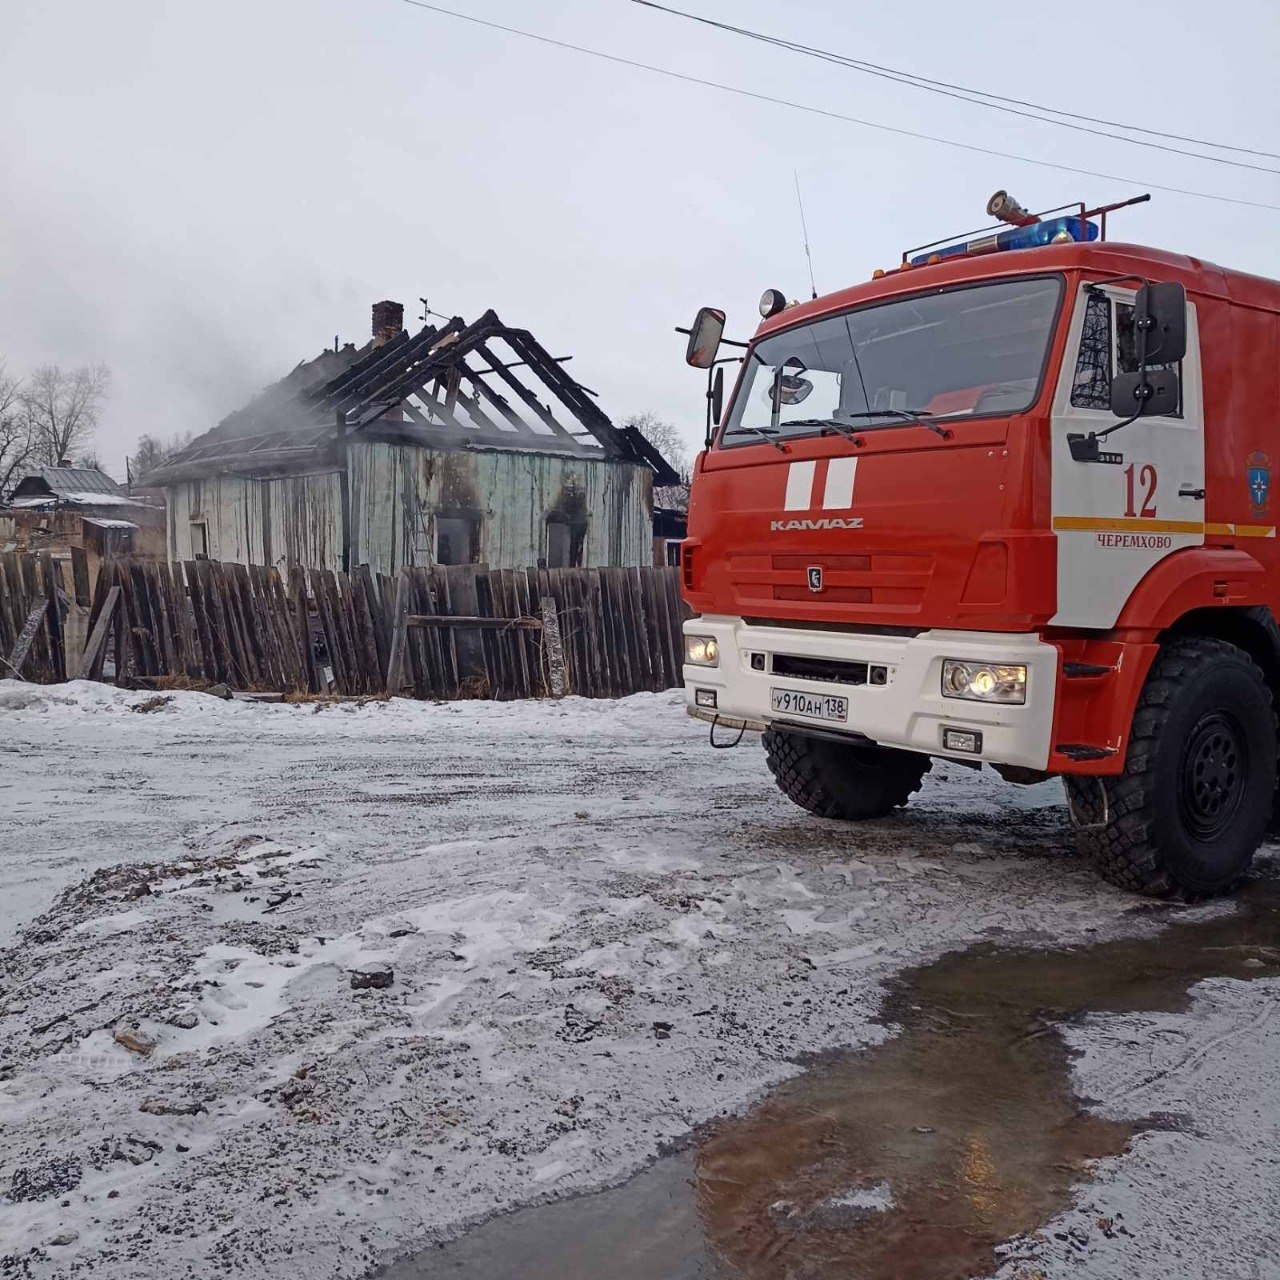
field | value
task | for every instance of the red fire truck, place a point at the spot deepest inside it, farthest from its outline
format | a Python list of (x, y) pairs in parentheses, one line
[(1008, 503)]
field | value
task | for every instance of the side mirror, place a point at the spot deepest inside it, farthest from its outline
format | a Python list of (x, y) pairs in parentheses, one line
[(704, 338), (1145, 395), (717, 396), (1161, 313)]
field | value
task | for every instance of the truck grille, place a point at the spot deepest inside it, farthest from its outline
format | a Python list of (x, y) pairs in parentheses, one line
[(830, 670), (893, 580)]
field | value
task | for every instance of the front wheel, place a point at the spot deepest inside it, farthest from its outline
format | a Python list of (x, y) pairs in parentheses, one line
[(1186, 816), (839, 780)]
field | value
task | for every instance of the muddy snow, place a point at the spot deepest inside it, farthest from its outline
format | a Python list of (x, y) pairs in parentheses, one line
[(291, 991)]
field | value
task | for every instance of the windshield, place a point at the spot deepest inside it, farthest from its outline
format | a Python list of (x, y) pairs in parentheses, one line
[(959, 353)]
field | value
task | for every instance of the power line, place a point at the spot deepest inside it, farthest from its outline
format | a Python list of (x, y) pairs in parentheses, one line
[(830, 115), (976, 96)]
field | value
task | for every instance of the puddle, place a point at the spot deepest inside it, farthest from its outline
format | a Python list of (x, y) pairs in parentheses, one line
[(910, 1160)]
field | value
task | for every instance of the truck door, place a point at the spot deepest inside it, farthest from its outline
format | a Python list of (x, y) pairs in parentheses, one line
[(1115, 520)]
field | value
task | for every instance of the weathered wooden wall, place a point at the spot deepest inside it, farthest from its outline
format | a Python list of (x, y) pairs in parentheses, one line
[(282, 520), (395, 493), (397, 489)]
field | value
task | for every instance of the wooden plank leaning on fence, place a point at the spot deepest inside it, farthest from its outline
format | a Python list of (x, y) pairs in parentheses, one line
[(25, 639), (95, 651), (553, 645)]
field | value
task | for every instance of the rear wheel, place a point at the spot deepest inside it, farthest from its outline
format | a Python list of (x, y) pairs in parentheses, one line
[(1187, 814), (839, 780)]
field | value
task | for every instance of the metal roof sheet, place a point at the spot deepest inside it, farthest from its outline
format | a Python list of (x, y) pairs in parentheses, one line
[(61, 481), (104, 522)]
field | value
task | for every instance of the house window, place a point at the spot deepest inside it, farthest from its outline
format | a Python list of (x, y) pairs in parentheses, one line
[(200, 539), (566, 541), (457, 538)]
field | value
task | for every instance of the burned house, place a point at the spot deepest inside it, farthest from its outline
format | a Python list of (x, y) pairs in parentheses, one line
[(56, 509), (461, 443)]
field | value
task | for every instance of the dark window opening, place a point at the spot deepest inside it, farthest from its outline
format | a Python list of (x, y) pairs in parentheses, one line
[(457, 539), (1091, 387), (200, 540), (566, 542)]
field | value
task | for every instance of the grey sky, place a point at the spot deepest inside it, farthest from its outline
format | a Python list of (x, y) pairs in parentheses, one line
[(203, 194)]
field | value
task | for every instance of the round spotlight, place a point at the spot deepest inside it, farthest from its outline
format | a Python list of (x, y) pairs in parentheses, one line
[(771, 302)]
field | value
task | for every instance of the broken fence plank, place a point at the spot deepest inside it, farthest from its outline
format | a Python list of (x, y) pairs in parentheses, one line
[(95, 651), (25, 638), (399, 634), (553, 647)]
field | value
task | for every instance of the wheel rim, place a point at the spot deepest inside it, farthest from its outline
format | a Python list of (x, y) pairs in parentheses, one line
[(1215, 764)]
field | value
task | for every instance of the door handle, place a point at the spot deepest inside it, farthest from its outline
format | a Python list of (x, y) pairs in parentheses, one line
[(1188, 492)]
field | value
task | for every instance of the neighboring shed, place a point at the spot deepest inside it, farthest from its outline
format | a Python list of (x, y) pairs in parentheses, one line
[(461, 443), (56, 509)]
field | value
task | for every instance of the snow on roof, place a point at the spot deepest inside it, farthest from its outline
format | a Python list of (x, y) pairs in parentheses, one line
[(91, 498), (95, 498), (71, 484), (105, 522)]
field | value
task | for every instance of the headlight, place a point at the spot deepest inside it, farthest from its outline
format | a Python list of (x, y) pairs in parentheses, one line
[(983, 681), (701, 651)]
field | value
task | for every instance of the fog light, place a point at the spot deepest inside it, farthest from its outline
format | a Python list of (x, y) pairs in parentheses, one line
[(984, 681), (701, 651), (757, 662), (705, 697), (963, 740)]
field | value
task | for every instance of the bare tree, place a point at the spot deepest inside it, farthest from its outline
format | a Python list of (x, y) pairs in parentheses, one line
[(151, 451), (17, 442), (64, 407), (666, 438)]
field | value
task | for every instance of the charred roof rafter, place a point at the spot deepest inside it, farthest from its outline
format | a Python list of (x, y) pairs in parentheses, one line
[(373, 393)]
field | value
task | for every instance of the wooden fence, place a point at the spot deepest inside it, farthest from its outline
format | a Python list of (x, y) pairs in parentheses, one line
[(441, 632), (33, 604)]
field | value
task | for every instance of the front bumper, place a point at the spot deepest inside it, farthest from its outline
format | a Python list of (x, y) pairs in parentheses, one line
[(906, 711)]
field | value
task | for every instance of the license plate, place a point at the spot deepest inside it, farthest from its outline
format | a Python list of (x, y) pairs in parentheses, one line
[(815, 706)]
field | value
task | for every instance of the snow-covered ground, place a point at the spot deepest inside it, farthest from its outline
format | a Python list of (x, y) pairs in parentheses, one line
[(601, 933)]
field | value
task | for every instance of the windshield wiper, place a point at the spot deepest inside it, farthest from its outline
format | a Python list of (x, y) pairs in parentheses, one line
[(907, 418), (827, 424), (765, 433)]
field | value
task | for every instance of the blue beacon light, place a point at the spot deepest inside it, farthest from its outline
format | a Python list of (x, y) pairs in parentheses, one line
[(1032, 236)]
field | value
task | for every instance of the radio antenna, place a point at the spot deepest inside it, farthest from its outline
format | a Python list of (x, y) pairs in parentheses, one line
[(805, 229)]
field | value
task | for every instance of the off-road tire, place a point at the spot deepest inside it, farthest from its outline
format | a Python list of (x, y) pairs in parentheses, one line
[(1186, 816), (835, 780)]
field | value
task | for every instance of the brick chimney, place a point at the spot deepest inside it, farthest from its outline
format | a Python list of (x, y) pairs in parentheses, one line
[(388, 322)]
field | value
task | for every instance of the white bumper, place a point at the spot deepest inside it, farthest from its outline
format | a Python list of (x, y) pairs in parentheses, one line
[(907, 710)]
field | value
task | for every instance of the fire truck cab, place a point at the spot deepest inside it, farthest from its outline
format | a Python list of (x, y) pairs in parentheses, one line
[(1007, 504)]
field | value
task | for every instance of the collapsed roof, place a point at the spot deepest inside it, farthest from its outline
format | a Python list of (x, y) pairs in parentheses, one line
[(453, 386)]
